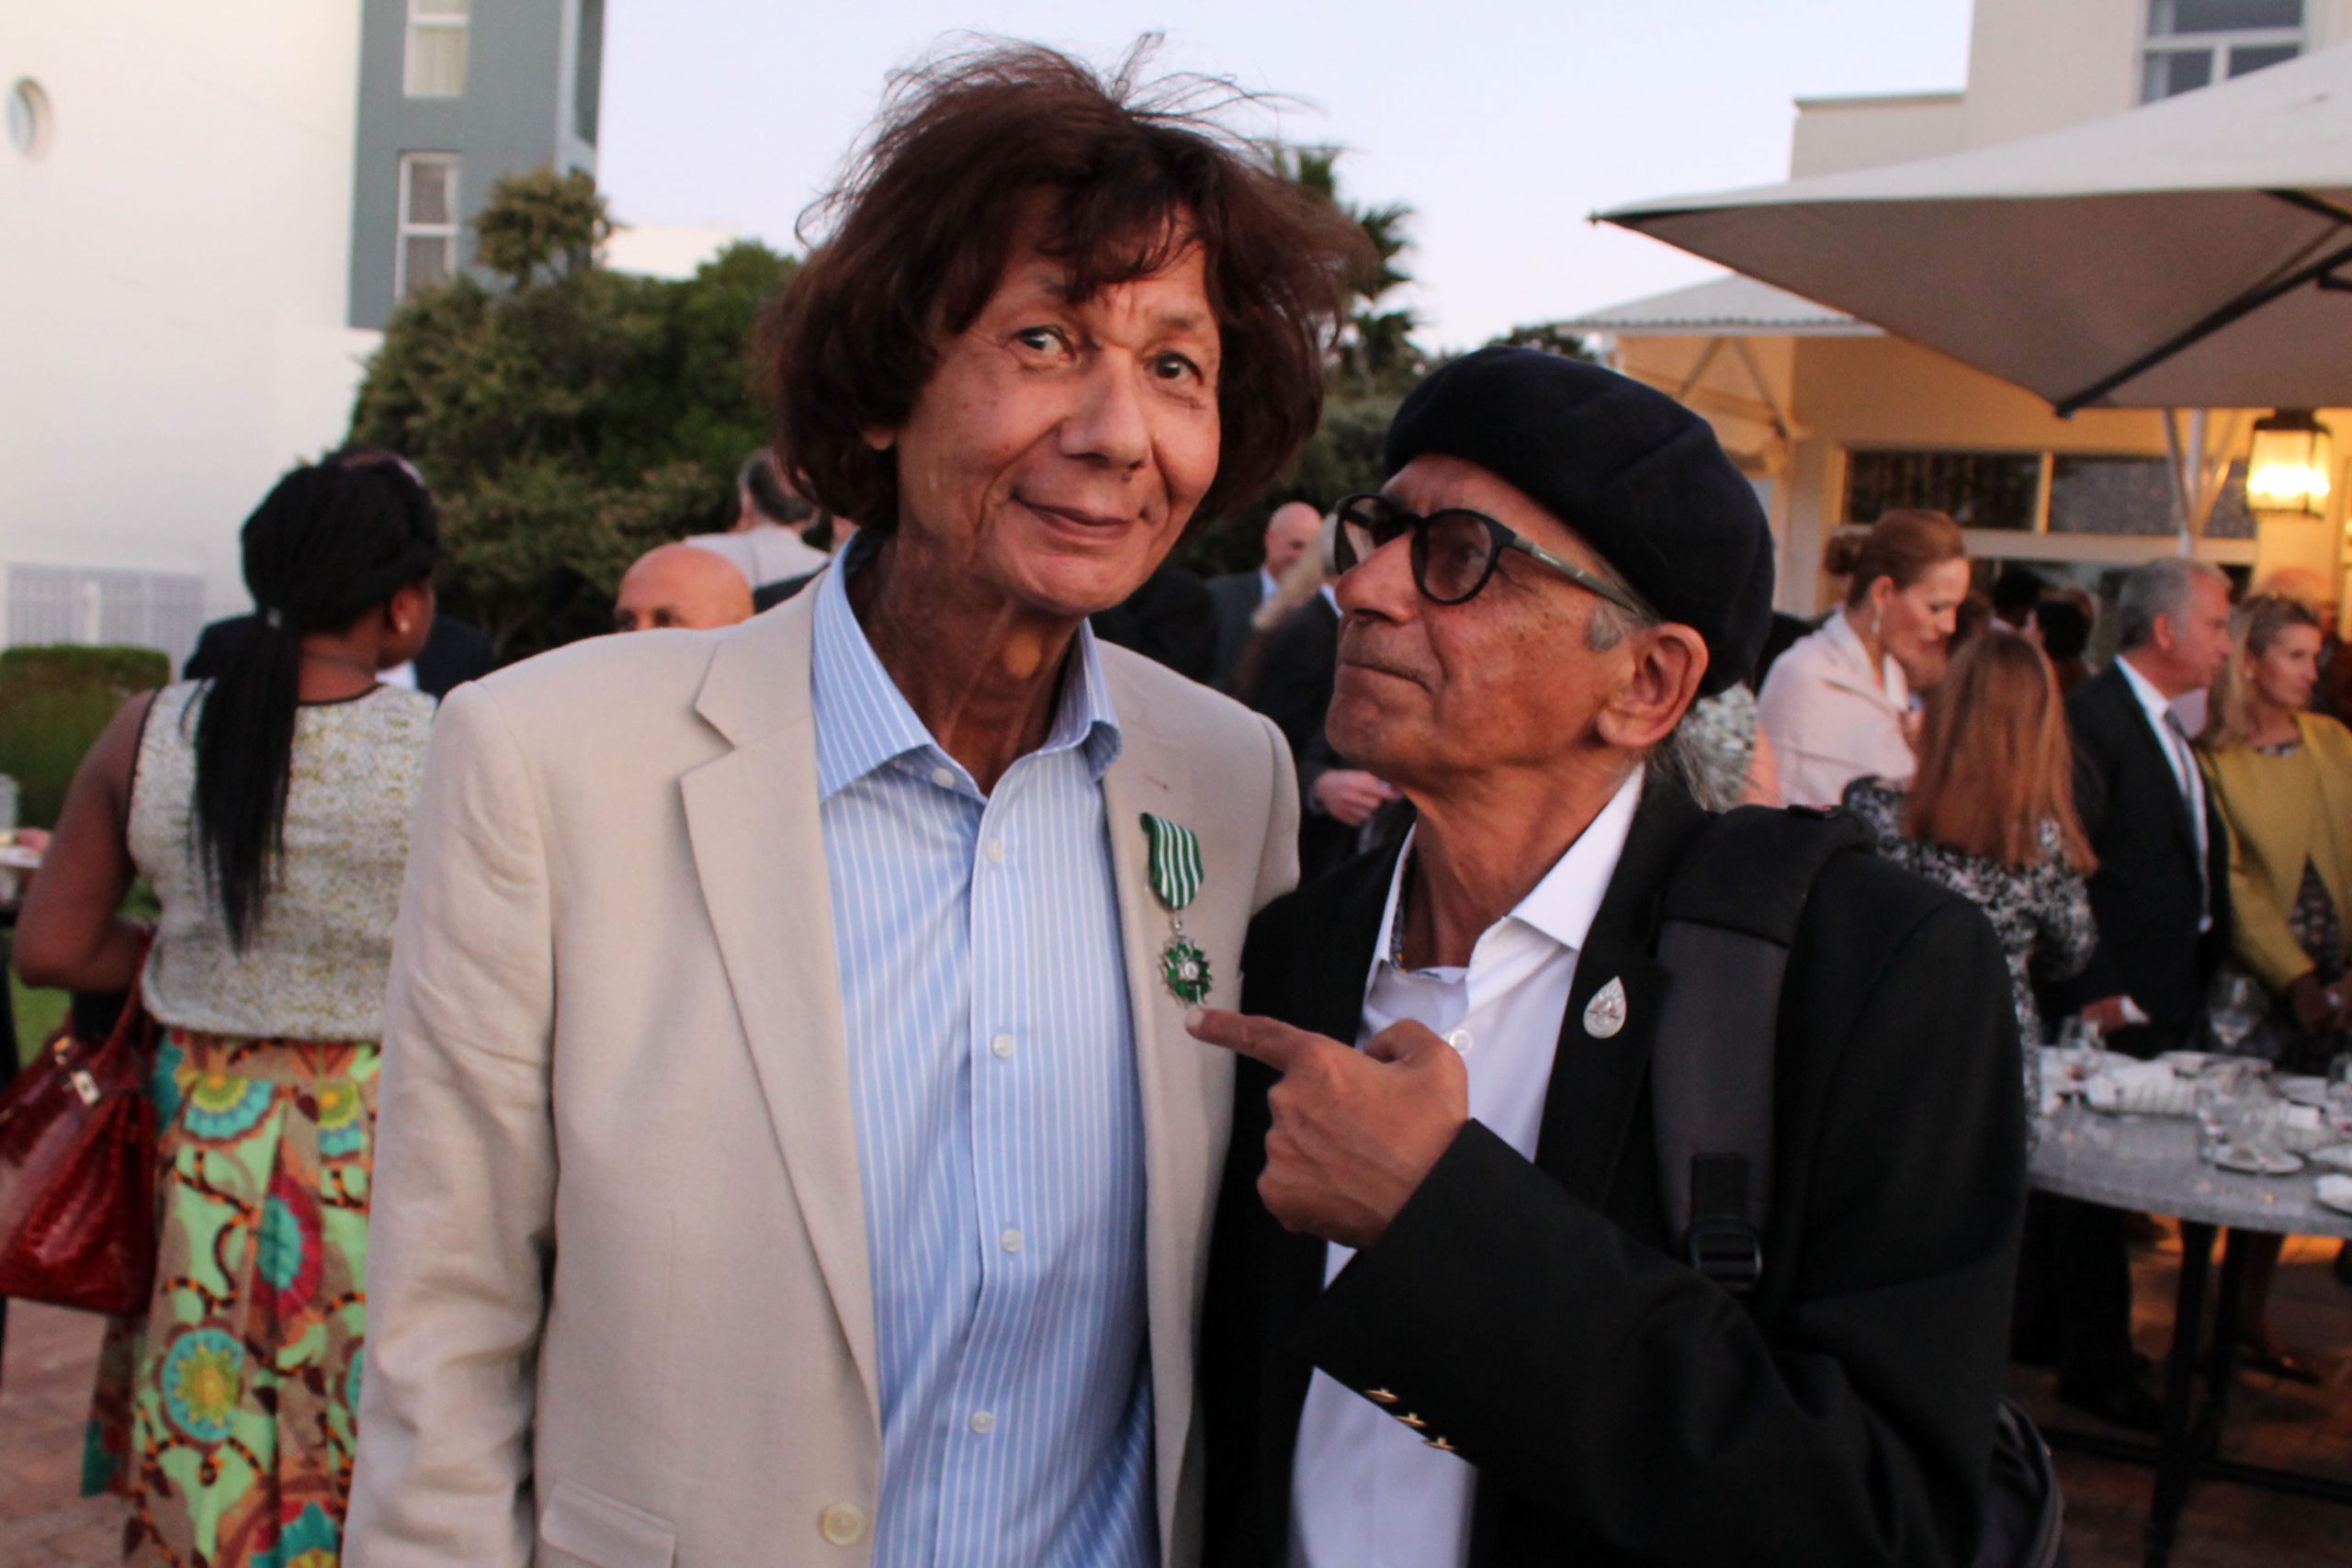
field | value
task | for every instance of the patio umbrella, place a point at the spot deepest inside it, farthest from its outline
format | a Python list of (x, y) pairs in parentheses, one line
[(2196, 253)]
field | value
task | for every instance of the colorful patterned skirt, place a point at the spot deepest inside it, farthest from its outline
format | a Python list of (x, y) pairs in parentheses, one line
[(227, 1416)]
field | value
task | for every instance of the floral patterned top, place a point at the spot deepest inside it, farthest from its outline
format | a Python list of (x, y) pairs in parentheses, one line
[(2041, 912), (318, 963), (1718, 739)]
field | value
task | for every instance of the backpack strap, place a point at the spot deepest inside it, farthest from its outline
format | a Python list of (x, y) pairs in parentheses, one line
[(1729, 917)]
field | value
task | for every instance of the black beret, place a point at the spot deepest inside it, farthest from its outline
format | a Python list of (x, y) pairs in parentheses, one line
[(1637, 476)]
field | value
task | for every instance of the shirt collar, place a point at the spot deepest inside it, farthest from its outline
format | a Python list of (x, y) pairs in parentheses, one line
[(2158, 709), (863, 722), (1563, 906)]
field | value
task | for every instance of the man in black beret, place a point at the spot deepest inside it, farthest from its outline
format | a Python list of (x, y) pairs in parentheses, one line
[(1448, 1320)]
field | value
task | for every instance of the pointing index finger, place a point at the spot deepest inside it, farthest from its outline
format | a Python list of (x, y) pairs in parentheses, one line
[(1269, 1041)]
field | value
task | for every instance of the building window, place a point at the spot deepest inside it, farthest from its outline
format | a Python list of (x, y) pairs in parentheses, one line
[(2039, 493), (1978, 490), (2192, 43), (437, 48), (588, 71), (428, 240), (28, 118)]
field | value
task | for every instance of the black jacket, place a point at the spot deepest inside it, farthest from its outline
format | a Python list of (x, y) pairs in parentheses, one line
[(1300, 665), (1236, 596), (1619, 1407), (2146, 894), (455, 653)]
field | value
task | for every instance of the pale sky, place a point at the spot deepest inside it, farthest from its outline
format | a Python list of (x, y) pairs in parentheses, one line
[(1504, 125)]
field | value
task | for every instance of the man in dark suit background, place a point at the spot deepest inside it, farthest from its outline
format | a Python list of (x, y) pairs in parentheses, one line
[(2161, 898), (1336, 798), (1291, 532), (455, 653), (1446, 1322)]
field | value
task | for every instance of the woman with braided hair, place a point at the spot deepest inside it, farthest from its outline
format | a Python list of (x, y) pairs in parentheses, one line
[(269, 808)]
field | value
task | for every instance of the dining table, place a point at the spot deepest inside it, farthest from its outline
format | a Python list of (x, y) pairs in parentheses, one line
[(2150, 1164)]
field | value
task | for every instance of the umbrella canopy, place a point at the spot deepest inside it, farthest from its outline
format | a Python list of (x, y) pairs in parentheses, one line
[(2196, 253)]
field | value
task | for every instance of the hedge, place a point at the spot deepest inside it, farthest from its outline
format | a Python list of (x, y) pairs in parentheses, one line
[(54, 702)]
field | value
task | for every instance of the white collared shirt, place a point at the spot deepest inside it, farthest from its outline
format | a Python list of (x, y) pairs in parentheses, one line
[(2171, 739), (1367, 1491), (1830, 722)]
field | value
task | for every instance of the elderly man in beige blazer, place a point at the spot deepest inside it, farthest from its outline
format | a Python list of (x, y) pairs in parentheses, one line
[(790, 1149)]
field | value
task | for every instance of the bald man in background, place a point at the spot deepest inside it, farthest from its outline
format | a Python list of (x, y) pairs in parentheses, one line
[(681, 585), (1291, 532)]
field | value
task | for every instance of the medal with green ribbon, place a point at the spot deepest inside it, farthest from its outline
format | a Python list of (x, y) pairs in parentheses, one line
[(1175, 877)]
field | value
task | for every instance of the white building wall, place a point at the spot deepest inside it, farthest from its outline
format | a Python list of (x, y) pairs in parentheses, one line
[(172, 286), (1833, 135)]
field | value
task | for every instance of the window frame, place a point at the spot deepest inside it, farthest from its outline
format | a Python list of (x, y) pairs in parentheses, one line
[(461, 23), (2219, 47), (405, 228), (2040, 541)]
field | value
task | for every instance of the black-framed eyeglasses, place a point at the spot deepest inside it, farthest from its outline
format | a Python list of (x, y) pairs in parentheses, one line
[(1454, 550)]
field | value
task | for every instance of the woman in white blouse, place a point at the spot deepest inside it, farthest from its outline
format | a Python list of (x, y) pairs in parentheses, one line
[(1837, 704)]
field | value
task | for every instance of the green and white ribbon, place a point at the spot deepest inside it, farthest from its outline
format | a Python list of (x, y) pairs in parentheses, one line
[(1176, 876), (1175, 861)]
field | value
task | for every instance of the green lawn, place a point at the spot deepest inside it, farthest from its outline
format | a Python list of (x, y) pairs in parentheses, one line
[(38, 1013)]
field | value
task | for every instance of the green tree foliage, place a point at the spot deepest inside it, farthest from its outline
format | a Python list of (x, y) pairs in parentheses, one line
[(572, 418), (1549, 337), (540, 222)]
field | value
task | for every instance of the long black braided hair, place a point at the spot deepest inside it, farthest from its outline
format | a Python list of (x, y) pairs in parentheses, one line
[(329, 544)]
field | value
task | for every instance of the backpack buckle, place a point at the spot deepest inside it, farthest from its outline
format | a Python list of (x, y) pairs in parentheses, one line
[(1727, 1252)]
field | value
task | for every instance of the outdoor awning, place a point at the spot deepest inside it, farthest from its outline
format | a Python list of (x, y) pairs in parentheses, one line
[(1721, 306), (2196, 253)]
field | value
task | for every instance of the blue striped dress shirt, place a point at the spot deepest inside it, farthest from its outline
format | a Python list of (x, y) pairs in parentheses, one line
[(1000, 1136)]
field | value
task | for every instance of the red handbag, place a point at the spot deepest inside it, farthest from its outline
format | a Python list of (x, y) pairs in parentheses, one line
[(77, 1171)]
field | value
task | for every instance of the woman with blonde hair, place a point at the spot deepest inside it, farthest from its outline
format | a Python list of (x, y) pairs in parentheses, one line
[(1989, 813), (2282, 779), (1836, 706)]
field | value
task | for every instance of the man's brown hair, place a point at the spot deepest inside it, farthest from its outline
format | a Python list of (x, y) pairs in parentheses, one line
[(970, 148), (1995, 764)]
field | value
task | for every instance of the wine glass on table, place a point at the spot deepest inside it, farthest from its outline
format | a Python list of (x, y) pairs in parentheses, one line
[(2337, 1107), (2233, 1009)]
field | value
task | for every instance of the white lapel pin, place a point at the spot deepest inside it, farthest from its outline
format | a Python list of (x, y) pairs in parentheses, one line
[(1605, 1014)]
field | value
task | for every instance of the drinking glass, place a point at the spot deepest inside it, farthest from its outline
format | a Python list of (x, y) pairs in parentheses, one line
[(2233, 1007), (2338, 1107), (2078, 1050)]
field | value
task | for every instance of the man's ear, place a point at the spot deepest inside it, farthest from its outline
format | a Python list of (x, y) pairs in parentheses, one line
[(1666, 664)]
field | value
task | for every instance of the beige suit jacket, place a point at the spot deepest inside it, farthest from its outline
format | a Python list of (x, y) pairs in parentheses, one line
[(619, 1307)]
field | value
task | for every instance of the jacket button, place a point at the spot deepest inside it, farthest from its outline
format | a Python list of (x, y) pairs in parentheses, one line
[(842, 1525)]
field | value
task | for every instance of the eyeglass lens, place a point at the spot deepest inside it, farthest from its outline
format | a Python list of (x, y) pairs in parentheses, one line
[(1453, 551)]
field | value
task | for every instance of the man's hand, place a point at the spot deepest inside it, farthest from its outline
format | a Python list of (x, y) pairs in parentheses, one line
[(2108, 1014), (1351, 795), (2316, 1007), (1355, 1132)]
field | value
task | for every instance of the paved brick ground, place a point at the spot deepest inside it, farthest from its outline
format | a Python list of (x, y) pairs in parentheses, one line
[(49, 1354)]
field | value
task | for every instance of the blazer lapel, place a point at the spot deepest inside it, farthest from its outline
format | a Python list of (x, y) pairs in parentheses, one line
[(2156, 753), (1152, 775), (1597, 1078), (752, 818)]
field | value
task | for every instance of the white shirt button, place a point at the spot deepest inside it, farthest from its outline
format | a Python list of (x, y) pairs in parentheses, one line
[(842, 1525), (1010, 1241), (983, 1423), (996, 852), (1460, 1040), (1001, 1045), (944, 777)]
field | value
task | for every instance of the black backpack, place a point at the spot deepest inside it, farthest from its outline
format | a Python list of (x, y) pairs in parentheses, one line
[(1729, 919)]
